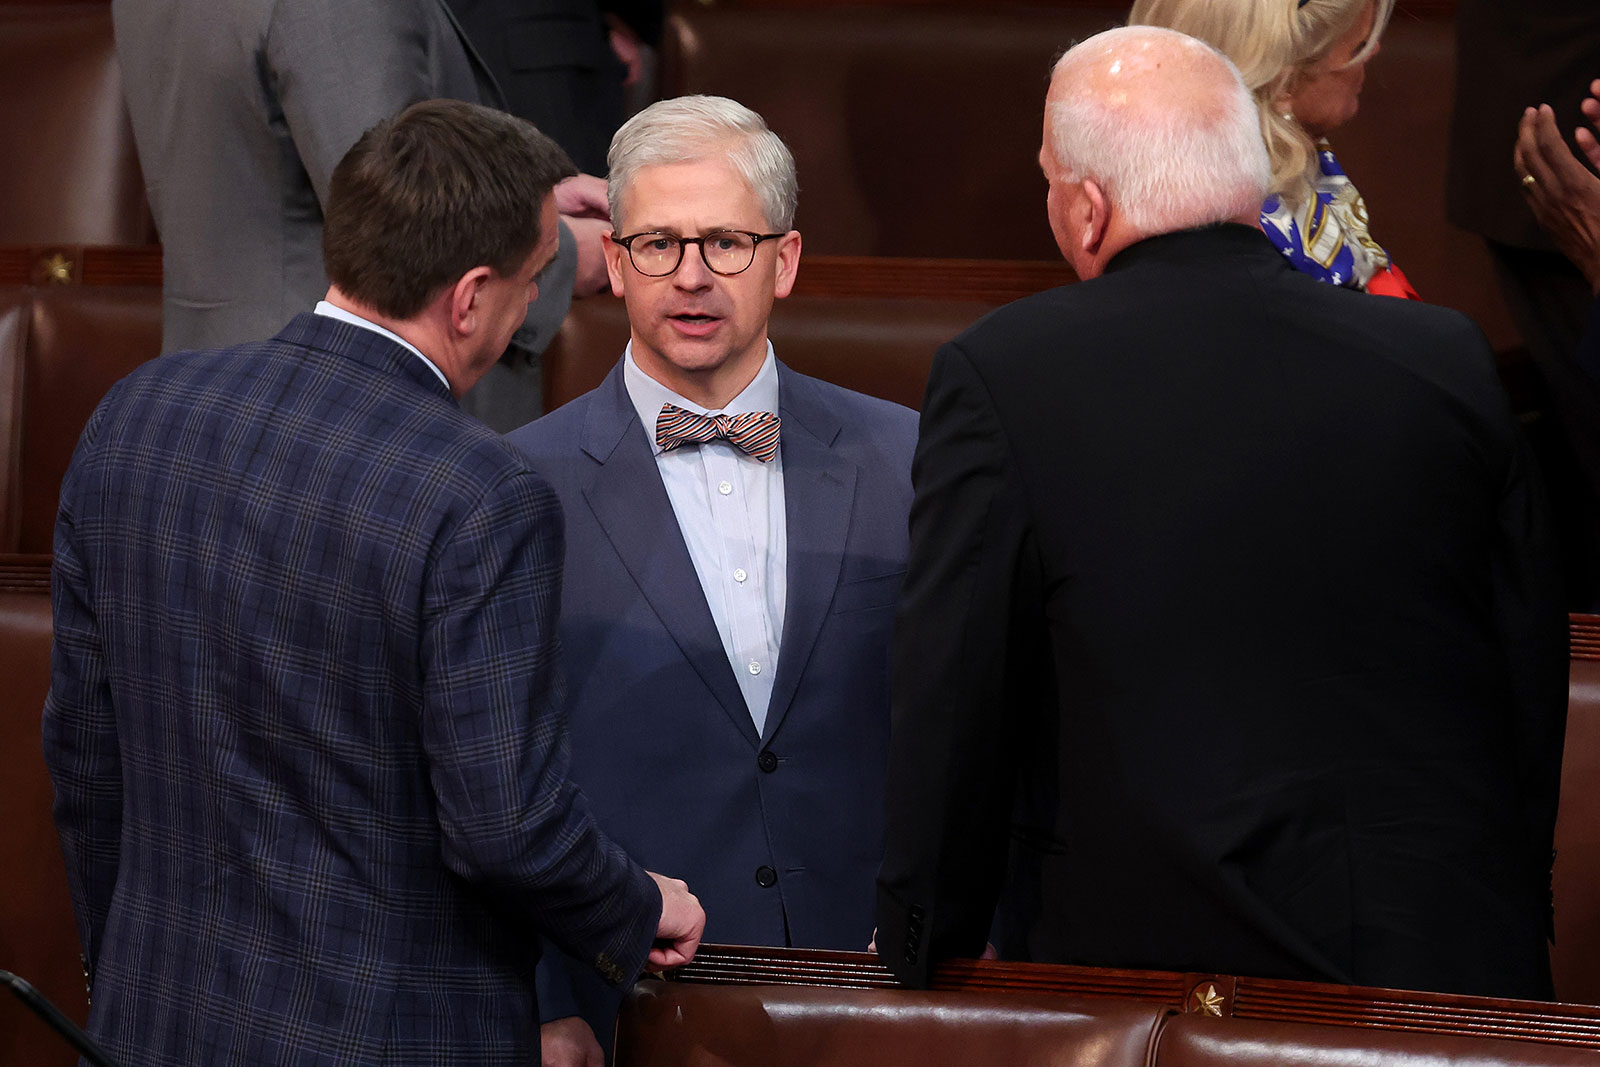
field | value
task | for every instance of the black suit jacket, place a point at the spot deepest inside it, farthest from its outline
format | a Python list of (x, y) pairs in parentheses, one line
[(1229, 640), (553, 61)]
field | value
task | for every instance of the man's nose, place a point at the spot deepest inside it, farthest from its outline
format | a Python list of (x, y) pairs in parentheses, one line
[(693, 273)]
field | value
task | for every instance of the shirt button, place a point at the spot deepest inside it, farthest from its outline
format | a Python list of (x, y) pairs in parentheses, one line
[(755, 668), (724, 488), (766, 877), (767, 762), (740, 575)]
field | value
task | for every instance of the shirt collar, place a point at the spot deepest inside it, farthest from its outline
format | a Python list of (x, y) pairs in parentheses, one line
[(648, 395), (327, 310)]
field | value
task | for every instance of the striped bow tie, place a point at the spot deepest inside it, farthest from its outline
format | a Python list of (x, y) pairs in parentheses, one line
[(755, 433)]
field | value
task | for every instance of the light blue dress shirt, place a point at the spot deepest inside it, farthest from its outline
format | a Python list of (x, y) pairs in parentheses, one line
[(328, 310), (730, 511)]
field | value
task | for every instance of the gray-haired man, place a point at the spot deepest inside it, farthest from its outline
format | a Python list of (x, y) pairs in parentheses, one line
[(736, 536)]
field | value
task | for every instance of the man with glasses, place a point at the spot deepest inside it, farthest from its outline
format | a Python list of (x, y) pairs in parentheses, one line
[(736, 533)]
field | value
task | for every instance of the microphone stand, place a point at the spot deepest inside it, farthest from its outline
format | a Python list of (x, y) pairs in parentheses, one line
[(53, 1018)]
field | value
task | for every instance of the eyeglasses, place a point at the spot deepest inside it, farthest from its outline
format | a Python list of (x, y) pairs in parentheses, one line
[(725, 252)]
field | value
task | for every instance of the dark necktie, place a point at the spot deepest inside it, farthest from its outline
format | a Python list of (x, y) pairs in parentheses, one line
[(755, 433)]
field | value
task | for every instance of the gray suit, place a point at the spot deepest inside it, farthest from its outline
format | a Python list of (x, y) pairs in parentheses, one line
[(241, 109)]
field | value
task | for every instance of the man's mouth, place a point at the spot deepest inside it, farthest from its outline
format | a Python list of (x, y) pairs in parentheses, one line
[(694, 325)]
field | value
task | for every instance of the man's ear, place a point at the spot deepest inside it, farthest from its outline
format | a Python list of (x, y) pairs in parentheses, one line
[(788, 263), (1095, 217), (616, 262), (464, 304)]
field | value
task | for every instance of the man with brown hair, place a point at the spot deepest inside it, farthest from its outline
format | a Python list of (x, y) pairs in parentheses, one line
[(304, 719)]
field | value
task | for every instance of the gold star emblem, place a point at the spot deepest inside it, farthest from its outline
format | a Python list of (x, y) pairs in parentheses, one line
[(1209, 1001), (58, 270)]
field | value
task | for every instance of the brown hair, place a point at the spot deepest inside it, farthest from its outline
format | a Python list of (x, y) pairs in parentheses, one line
[(424, 197)]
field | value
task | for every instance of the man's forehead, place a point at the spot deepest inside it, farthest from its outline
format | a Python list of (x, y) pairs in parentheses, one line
[(709, 184)]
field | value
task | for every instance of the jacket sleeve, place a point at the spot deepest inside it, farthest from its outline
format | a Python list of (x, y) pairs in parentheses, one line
[(967, 608), (1533, 634), (338, 69), (494, 733), (80, 731)]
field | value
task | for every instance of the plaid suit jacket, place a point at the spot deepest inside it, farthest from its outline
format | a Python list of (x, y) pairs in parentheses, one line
[(305, 718)]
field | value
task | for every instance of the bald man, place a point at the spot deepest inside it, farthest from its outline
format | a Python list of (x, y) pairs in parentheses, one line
[(1228, 640)]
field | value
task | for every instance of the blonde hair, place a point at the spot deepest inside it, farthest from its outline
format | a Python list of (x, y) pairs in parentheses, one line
[(1273, 43)]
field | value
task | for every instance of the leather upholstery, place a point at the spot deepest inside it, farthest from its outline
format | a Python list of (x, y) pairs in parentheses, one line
[(1199, 1041), (71, 175), (81, 340), (15, 311), (37, 937), (745, 1006), (673, 1025), (1575, 957), (882, 346), (916, 130)]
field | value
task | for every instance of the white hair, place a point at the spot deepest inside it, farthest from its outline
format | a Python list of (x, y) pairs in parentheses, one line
[(1167, 158), (686, 129)]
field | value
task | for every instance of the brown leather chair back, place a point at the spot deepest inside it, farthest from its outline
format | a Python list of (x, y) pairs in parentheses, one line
[(867, 323), (38, 939), (81, 339), (915, 128), (882, 346), (1200, 1041), (582, 353), (1575, 957), (71, 173), (16, 311), (672, 1025), (743, 1007)]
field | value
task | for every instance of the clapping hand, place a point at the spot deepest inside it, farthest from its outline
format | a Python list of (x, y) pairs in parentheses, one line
[(1563, 193)]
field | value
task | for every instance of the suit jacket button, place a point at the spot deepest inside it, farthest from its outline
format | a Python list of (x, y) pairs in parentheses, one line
[(766, 877), (767, 762)]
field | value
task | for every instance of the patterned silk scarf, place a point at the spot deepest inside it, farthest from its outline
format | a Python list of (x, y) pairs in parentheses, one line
[(1327, 237)]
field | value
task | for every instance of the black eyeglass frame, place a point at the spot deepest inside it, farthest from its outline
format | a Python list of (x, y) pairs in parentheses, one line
[(683, 242)]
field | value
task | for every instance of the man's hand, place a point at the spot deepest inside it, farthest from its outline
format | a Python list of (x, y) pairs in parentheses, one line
[(682, 923), (590, 235), (627, 47), (1563, 193), (569, 1043), (1586, 138), (583, 196)]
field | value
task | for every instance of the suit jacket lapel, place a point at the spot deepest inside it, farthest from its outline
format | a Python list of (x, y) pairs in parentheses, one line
[(819, 489), (489, 91), (631, 505)]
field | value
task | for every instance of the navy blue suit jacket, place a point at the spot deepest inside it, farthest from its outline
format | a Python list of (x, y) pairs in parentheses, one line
[(662, 742), (304, 718)]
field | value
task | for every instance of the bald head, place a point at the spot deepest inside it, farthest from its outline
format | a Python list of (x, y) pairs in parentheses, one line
[(1162, 125)]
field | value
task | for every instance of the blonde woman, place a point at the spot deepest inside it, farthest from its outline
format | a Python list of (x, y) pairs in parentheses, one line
[(1304, 60)]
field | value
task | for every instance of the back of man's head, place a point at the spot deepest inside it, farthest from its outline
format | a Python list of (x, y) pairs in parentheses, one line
[(685, 129), (424, 197), (1163, 124)]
